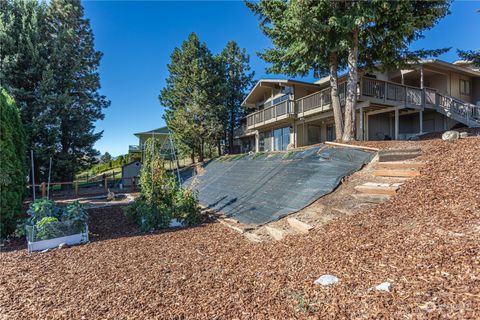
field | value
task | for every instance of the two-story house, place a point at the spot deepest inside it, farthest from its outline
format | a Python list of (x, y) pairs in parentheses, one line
[(429, 96)]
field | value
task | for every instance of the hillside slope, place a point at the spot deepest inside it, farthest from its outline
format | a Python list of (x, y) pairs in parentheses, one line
[(425, 241)]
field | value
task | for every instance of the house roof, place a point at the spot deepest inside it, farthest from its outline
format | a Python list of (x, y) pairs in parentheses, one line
[(159, 131), (265, 86), (458, 66)]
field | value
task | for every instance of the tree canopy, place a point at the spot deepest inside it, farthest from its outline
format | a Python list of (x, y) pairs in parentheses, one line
[(50, 66)]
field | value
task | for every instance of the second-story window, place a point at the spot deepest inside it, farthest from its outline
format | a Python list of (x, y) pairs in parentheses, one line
[(465, 86)]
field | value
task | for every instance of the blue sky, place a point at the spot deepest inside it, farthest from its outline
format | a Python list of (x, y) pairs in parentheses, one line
[(137, 39)]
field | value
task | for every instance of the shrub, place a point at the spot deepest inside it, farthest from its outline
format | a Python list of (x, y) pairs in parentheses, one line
[(13, 164), (161, 198)]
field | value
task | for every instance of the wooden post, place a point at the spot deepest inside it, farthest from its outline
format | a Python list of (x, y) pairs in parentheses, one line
[(397, 116), (44, 189), (106, 183), (133, 183)]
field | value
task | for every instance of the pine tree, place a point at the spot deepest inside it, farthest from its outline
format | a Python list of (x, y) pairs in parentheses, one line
[(470, 55), (238, 79), (323, 36), (192, 97)]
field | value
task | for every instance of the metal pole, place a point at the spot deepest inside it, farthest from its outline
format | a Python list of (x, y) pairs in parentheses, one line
[(49, 175), (175, 157), (33, 174)]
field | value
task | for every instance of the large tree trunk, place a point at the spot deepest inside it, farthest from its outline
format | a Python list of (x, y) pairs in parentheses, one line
[(192, 156), (337, 109), (201, 151), (219, 148), (351, 99)]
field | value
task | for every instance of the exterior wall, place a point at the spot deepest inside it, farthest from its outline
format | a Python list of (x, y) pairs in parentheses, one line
[(129, 171), (378, 126), (476, 91), (455, 87)]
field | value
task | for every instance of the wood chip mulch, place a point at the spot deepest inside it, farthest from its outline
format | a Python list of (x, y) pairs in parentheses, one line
[(425, 241)]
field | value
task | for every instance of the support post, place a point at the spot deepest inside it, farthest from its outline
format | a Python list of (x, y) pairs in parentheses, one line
[(397, 116), (421, 77), (76, 188), (106, 183), (361, 133), (420, 116), (44, 189)]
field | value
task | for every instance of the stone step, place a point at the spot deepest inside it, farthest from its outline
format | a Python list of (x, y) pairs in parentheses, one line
[(401, 173), (235, 226), (399, 165), (275, 233), (378, 188), (398, 154), (371, 198), (252, 237), (298, 225)]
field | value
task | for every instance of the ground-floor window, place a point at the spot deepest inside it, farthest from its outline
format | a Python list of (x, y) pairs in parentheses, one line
[(331, 136), (281, 138)]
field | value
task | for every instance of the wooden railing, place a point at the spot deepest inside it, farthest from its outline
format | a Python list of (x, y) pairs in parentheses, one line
[(270, 113), (457, 108), (391, 92), (320, 100)]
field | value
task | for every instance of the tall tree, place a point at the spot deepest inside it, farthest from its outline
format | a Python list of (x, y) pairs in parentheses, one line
[(470, 55), (193, 97), (364, 34), (13, 166), (50, 67), (237, 79)]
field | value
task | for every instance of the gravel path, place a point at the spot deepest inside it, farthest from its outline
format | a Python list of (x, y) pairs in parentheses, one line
[(425, 241)]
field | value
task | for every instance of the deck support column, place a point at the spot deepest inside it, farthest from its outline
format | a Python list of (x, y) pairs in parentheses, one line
[(397, 116), (420, 117), (257, 141), (362, 129)]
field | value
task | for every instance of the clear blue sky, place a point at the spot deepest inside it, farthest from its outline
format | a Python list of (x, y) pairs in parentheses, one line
[(137, 39)]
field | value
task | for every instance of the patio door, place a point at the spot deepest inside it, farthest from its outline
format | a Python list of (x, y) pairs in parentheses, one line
[(281, 138)]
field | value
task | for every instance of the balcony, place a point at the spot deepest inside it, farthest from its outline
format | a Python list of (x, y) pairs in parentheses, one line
[(276, 113)]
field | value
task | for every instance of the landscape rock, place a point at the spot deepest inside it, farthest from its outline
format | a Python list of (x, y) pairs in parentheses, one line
[(451, 135), (384, 286), (463, 135), (326, 280)]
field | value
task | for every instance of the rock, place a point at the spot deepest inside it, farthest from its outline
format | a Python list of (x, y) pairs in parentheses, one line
[(463, 135), (451, 135), (62, 245), (110, 195), (290, 146), (326, 280), (384, 286)]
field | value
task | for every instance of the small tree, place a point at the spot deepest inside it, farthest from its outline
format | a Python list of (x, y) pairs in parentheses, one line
[(105, 158), (13, 167)]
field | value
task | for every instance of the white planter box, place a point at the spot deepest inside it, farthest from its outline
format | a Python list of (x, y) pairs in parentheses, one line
[(55, 242)]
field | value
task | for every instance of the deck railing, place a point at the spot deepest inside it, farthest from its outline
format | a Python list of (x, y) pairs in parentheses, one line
[(374, 90)]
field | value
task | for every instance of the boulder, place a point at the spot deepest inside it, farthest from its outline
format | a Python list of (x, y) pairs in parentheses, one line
[(451, 135), (326, 280)]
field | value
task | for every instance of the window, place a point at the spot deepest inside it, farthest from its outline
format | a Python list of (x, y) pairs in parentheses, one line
[(281, 138), (331, 132), (264, 143), (465, 87)]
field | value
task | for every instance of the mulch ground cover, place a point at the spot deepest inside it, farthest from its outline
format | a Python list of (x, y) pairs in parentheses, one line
[(425, 241)]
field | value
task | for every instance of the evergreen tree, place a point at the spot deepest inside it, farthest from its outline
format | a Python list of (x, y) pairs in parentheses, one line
[(105, 158), (193, 97), (238, 79), (470, 55), (13, 168), (50, 67), (324, 35)]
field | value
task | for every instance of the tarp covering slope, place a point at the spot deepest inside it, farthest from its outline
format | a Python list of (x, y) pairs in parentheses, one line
[(260, 188)]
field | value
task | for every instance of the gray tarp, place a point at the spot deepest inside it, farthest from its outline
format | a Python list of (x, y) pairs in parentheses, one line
[(260, 188)]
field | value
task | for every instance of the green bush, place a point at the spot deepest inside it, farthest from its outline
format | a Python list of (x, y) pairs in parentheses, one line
[(161, 198), (13, 164)]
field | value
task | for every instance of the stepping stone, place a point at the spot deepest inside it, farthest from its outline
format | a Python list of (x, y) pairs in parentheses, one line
[(275, 233), (396, 173), (240, 228), (299, 225), (398, 154), (252, 237), (371, 198), (377, 188), (399, 165)]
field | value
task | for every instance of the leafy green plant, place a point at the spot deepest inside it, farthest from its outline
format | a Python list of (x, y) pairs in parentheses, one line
[(42, 208), (161, 199), (47, 228), (76, 215)]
